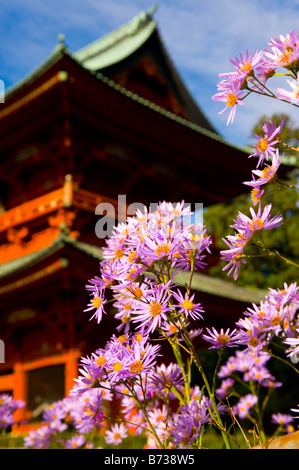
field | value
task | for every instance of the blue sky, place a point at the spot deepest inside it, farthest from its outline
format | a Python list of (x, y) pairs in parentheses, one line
[(200, 36)]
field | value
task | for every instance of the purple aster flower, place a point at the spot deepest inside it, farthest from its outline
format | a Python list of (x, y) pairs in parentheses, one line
[(246, 65), (284, 420), (143, 358), (187, 306), (87, 380), (223, 391), (153, 311), (244, 405), (265, 146), (268, 174), (259, 374), (7, 407), (223, 338), (75, 442), (158, 416), (97, 302), (163, 378), (39, 438), (117, 433), (234, 256), (6, 418), (54, 412), (251, 335), (191, 250), (256, 194), (90, 413), (285, 52), (163, 243), (260, 221), (280, 418), (290, 96), (185, 426), (293, 351), (231, 95)]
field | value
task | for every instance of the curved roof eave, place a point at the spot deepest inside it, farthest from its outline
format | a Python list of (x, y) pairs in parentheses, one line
[(117, 45)]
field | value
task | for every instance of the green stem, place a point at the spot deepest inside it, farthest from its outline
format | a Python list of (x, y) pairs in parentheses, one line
[(180, 362), (143, 409), (286, 260), (210, 393), (284, 183), (220, 355), (261, 245), (261, 86), (260, 426), (284, 361)]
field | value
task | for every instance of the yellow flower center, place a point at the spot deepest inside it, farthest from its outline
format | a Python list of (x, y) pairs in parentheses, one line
[(162, 249), (128, 306), (262, 144), (285, 55), (247, 66), (136, 367), (155, 308), (138, 337), (255, 195), (138, 292), (253, 341), (119, 253), (187, 304), (256, 224), (100, 361), (132, 256), (173, 329), (268, 172), (97, 302), (117, 366), (276, 320), (122, 339), (222, 338), (231, 99), (132, 273)]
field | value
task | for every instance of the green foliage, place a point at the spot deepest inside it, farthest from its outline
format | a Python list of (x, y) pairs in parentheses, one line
[(289, 136), (264, 272), (260, 272)]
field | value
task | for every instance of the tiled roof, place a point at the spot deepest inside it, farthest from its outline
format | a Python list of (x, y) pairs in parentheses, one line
[(118, 44), (201, 282), (221, 288)]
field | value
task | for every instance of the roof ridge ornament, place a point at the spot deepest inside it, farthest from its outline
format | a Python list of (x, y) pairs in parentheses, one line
[(61, 42), (153, 9), (140, 20)]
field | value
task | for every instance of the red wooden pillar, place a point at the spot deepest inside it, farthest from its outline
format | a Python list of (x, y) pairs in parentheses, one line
[(20, 390), (71, 370)]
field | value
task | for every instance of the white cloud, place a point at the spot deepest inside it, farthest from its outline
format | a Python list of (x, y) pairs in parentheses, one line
[(200, 36)]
